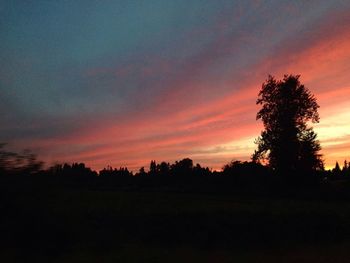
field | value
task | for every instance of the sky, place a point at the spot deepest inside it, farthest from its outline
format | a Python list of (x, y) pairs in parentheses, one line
[(121, 83)]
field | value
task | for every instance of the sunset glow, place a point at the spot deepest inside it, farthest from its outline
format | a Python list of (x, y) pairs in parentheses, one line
[(121, 84)]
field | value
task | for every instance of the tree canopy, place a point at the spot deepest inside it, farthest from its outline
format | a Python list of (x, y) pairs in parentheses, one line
[(287, 142)]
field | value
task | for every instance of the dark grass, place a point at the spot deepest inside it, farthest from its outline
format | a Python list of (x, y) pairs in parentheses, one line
[(50, 222)]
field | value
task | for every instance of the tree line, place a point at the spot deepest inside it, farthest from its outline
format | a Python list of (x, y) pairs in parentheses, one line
[(26, 163)]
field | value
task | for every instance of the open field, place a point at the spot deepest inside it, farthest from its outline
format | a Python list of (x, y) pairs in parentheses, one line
[(60, 224)]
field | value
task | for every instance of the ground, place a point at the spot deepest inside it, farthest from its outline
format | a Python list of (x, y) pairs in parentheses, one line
[(80, 224)]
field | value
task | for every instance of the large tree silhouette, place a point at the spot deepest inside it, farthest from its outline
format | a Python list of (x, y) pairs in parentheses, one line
[(286, 142)]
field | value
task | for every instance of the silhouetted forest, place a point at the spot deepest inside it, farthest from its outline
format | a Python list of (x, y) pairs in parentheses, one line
[(182, 175)]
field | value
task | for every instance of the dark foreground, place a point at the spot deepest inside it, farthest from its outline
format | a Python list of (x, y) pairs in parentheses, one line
[(53, 222)]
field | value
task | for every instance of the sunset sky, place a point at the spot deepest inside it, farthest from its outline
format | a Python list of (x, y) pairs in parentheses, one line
[(123, 82)]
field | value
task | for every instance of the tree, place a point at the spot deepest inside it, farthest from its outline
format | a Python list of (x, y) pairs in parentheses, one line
[(182, 168), (77, 171), (345, 167), (287, 143), (163, 168), (245, 172), (24, 163), (153, 168), (109, 171), (336, 170), (142, 172)]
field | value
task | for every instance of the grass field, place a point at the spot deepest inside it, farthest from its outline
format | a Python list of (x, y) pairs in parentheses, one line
[(83, 225)]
